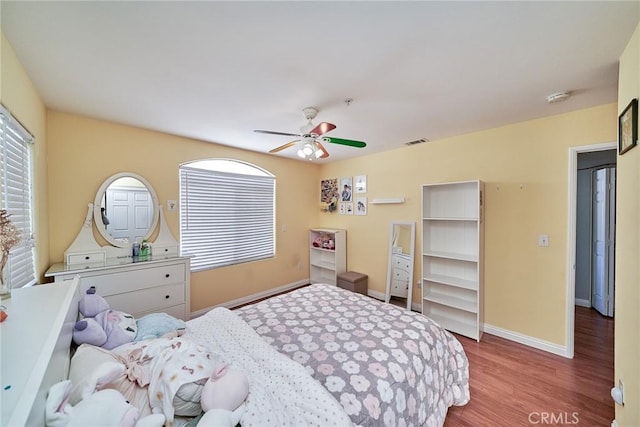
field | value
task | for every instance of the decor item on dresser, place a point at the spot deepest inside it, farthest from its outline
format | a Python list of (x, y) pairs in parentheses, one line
[(159, 282), (452, 255), (400, 269), (628, 127), (9, 237)]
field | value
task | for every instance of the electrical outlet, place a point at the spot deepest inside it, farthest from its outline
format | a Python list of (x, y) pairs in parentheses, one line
[(543, 240)]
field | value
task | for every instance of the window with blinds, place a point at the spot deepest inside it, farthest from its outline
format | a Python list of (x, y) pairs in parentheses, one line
[(16, 195), (227, 213)]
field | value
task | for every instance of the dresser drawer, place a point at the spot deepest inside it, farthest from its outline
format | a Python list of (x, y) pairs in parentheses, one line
[(86, 257), (148, 300), (177, 311), (127, 281)]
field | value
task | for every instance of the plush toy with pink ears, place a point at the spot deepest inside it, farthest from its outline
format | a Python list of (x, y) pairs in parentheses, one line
[(223, 397), (107, 407), (102, 326)]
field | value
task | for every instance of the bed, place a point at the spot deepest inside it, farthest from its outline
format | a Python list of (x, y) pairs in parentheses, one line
[(324, 356), (384, 364)]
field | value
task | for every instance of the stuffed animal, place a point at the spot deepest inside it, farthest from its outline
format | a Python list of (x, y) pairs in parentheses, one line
[(102, 326), (108, 407), (223, 397)]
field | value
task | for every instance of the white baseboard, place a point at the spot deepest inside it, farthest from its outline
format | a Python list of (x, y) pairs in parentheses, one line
[(376, 294), (252, 297), (583, 302), (415, 306), (526, 340)]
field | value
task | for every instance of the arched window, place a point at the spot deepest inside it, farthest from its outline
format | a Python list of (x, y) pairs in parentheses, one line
[(227, 213)]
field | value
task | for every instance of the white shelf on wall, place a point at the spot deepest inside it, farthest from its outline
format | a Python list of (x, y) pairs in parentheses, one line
[(325, 264), (387, 201), (452, 255)]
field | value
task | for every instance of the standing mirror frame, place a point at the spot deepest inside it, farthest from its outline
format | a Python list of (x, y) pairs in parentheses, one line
[(100, 218), (402, 237)]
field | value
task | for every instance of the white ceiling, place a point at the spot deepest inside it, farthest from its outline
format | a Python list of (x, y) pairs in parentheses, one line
[(215, 71)]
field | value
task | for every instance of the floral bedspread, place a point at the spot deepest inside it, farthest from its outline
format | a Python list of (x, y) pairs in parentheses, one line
[(385, 365)]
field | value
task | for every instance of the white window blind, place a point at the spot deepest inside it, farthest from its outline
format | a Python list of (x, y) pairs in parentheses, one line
[(16, 172), (225, 217)]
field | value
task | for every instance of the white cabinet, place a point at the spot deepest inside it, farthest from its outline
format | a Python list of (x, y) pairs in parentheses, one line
[(35, 348), (157, 284), (452, 255), (327, 255)]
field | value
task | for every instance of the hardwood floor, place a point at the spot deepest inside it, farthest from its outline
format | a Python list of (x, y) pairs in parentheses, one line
[(515, 385)]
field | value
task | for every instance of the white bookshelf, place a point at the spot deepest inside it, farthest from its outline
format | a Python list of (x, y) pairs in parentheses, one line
[(452, 255), (326, 263)]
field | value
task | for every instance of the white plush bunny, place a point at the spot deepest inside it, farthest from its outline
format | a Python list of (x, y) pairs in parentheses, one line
[(106, 407)]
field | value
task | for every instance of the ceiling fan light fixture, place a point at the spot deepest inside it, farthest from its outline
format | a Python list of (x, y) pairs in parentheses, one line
[(309, 151)]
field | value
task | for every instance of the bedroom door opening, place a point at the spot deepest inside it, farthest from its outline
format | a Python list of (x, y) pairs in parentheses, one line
[(591, 232), (603, 232)]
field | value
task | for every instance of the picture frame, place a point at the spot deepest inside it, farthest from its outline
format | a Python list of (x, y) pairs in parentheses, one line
[(346, 189), (360, 183), (360, 206), (628, 127)]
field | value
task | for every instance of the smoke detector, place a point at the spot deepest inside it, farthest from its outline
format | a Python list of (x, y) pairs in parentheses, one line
[(558, 97)]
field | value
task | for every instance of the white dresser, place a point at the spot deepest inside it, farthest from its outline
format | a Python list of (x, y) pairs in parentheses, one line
[(157, 284)]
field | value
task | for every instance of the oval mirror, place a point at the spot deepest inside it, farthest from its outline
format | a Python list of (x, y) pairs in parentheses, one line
[(126, 209)]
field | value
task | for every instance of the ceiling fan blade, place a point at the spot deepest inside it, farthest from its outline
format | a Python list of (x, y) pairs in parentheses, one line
[(282, 147), (271, 132), (325, 153), (348, 142), (322, 128)]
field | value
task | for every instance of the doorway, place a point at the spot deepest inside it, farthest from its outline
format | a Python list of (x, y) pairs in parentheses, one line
[(595, 231), (590, 261)]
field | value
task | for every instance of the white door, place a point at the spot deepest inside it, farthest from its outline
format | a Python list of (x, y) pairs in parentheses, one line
[(603, 232), (129, 211)]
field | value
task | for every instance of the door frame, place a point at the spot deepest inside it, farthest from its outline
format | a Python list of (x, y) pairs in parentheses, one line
[(571, 237)]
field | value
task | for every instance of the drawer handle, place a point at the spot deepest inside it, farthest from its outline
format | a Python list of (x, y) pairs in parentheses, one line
[(167, 275), (166, 297), (87, 257)]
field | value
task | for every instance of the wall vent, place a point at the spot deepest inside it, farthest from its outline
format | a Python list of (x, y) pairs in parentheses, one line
[(417, 141)]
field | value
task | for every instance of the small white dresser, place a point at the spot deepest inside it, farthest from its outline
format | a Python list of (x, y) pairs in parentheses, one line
[(157, 284)]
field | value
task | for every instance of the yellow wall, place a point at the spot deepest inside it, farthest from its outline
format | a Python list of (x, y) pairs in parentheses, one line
[(627, 298), (525, 285), (19, 96), (84, 152)]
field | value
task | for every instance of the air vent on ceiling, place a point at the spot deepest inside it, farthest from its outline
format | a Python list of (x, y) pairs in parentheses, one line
[(417, 141)]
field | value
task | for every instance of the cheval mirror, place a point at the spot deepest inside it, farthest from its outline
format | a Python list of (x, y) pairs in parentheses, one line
[(400, 269)]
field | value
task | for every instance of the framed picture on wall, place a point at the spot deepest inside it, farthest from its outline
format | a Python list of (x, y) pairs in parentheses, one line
[(345, 189), (361, 205), (628, 127), (361, 183)]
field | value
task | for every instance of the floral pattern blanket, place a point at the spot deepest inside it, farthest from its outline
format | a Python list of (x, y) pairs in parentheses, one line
[(384, 364)]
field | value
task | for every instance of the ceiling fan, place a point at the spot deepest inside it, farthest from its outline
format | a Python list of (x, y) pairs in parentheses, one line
[(311, 138)]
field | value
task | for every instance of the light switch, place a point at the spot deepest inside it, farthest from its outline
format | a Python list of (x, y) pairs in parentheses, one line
[(172, 205), (543, 240)]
